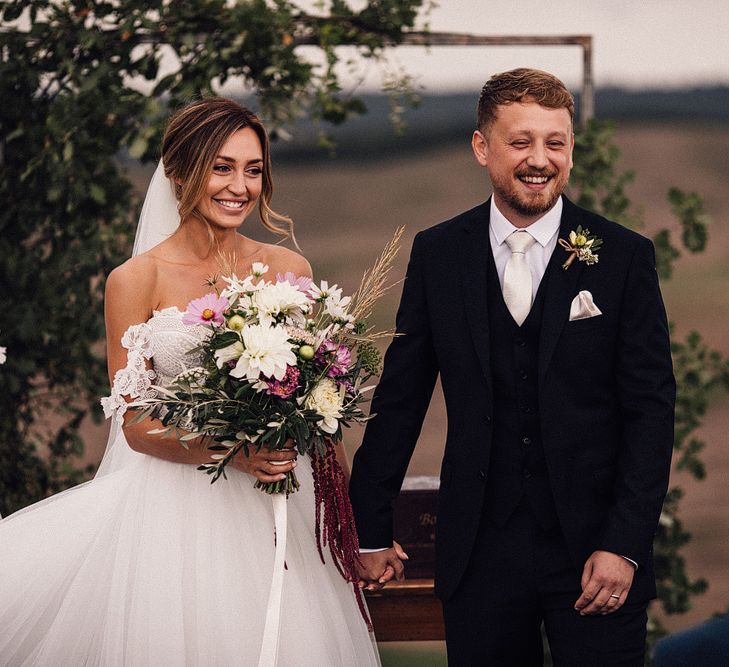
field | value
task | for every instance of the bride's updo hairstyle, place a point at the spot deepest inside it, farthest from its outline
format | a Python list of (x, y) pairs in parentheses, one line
[(192, 142)]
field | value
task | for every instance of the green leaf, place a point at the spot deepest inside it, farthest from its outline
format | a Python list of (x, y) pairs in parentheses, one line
[(97, 193), (138, 147)]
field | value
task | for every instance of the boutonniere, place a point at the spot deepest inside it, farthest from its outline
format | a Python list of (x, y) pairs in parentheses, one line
[(581, 245)]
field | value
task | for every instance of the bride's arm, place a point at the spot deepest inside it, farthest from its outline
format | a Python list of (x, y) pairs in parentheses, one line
[(130, 300), (341, 455)]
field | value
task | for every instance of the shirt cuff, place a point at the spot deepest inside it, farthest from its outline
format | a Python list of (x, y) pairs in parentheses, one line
[(630, 560)]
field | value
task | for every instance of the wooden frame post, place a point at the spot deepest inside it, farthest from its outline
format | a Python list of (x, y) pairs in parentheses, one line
[(587, 92)]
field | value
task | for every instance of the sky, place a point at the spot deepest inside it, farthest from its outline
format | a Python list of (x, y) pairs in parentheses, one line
[(637, 43)]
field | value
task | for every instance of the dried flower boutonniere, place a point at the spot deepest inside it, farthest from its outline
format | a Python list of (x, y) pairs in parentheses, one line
[(582, 245)]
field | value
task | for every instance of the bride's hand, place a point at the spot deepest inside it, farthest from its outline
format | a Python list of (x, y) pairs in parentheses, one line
[(267, 466)]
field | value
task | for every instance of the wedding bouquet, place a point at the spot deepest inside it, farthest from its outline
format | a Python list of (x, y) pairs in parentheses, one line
[(285, 362)]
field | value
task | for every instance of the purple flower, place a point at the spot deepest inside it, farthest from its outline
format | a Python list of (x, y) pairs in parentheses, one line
[(205, 310), (338, 356), (285, 387), (303, 283)]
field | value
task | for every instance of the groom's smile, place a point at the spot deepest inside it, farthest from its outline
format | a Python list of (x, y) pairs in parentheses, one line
[(537, 182)]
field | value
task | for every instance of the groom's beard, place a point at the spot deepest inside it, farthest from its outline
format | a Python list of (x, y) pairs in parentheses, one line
[(529, 203)]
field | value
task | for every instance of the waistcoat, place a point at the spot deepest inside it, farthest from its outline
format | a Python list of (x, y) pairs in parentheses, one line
[(517, 468)]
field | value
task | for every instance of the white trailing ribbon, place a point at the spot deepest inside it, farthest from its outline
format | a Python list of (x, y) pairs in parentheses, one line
[(271, 630)]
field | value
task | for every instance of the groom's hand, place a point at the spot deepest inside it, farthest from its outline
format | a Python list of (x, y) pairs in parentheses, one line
[(379, 567), (606, 580)]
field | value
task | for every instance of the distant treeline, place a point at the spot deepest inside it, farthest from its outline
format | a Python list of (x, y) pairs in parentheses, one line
[(443, 119), (699, 104)]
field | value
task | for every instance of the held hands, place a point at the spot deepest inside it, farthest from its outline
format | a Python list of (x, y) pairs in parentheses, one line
[(379, 567), (606, 580), (267, 466)]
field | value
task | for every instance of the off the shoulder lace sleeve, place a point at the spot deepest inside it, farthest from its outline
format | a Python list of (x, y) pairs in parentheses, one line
[(135, 379)]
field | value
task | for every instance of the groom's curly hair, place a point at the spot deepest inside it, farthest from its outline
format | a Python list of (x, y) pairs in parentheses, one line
[(522, 85)]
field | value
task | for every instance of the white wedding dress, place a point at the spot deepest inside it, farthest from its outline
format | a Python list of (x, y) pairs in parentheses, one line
[(152, 564)]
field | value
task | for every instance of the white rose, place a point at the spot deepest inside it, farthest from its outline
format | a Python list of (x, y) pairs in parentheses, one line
[(326, 399)]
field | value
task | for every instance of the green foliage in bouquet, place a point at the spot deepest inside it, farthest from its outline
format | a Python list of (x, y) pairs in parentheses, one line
[(81, 85)]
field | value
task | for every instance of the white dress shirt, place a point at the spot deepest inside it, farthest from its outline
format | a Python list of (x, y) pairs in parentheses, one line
[(545, 232)]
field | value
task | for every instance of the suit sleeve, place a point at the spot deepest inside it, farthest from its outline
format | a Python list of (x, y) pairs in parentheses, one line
[(399, 405), (646, 392)]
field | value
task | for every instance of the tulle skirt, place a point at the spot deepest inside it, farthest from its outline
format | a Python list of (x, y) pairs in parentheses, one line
[(153, 565)]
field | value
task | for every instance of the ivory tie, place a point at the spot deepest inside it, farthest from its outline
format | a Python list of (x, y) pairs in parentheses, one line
[(518, 276)]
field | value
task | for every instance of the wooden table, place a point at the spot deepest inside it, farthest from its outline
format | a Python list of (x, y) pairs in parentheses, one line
[(407, 611)]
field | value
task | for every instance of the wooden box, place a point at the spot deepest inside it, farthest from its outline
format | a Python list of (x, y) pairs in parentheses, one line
[(409, 611), (414, 525)]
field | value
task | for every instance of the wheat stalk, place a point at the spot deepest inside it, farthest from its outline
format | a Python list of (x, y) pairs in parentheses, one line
[(368, 336), (372, 285)]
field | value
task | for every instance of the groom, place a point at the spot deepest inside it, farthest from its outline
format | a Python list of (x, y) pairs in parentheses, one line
[(546, 325)]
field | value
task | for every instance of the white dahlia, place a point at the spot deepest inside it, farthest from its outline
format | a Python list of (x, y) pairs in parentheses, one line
[(281, 299), (266, 351)]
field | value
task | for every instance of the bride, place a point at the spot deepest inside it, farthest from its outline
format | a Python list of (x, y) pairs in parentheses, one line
[(149, 563)]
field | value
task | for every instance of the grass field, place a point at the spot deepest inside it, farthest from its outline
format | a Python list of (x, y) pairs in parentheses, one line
[(346, 210)]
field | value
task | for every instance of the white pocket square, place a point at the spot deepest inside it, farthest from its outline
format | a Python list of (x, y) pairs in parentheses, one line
[(583, 307)]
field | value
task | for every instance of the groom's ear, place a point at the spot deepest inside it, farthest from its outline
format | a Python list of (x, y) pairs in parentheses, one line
[(480, 147), (572, 149)]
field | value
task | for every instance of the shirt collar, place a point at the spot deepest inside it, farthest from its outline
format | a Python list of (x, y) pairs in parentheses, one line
[(543, 230)]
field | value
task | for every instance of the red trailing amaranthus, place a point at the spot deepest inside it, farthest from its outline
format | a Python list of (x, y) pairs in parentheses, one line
[(335, 525)]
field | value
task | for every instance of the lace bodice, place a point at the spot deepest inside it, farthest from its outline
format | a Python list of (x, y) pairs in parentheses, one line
[(171, 343), (168, 343)]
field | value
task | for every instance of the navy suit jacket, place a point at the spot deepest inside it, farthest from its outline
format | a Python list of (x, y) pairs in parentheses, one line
[(606, 395)]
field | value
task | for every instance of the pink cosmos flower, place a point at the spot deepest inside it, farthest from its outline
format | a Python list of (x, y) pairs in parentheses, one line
[(208, 309), (339, 356), (287, 386), (302, 282)]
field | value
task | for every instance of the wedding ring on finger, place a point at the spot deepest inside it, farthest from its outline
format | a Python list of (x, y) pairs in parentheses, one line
[(617, 597)]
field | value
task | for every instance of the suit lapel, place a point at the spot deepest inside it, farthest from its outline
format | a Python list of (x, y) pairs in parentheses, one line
[(474, 266), (561, 289)]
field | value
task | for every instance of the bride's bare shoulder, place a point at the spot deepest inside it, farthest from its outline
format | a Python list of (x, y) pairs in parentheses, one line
[(281, 260), (132, 285), (137, 272)]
